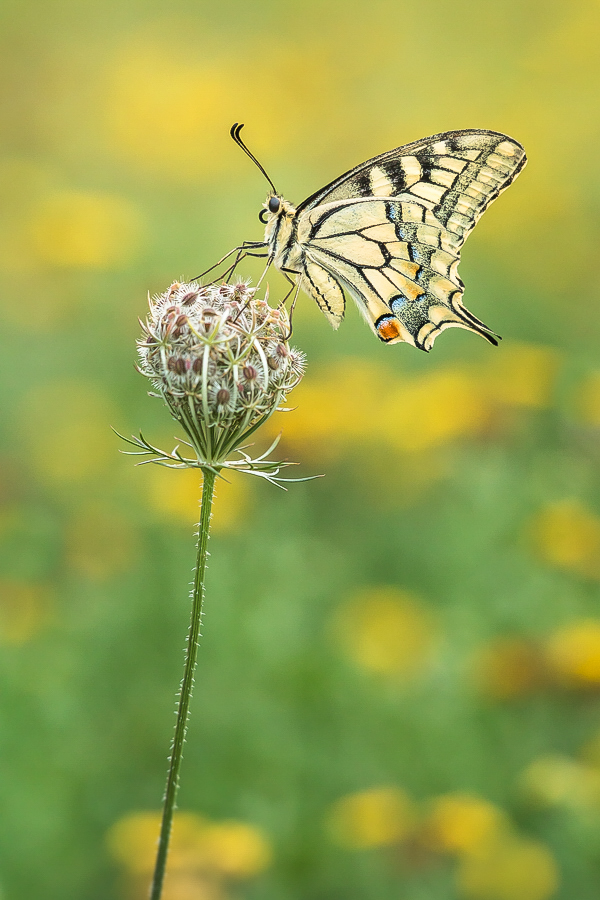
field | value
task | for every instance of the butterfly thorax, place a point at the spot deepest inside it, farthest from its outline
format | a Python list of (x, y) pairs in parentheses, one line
[(279, 230)]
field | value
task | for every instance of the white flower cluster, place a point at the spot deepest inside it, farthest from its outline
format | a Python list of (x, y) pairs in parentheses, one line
[(220, 359)]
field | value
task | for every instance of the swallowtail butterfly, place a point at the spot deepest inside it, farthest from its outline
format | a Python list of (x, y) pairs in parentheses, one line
[(389, 233)]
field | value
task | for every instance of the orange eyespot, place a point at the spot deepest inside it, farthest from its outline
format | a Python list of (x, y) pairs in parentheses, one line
[(388, 328)]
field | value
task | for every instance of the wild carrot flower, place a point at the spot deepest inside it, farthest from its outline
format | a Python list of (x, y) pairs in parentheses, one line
[(219, 358)]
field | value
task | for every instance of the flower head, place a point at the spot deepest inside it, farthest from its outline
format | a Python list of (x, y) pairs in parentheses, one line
[(220, 359)]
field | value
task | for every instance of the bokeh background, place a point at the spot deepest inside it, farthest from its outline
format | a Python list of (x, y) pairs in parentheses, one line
[(398, 692)]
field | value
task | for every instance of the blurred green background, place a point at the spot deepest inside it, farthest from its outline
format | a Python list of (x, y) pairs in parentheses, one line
[(398, 693)]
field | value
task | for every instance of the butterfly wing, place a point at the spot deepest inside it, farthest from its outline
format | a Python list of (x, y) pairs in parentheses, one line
[(390, 232)]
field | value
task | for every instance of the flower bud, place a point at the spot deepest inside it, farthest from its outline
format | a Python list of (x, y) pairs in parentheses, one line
[(220, 359)]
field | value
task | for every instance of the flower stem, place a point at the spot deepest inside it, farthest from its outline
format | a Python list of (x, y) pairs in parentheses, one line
[(187, 684)]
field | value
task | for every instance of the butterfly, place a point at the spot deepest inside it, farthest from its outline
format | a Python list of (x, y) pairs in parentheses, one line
[(389, 233)]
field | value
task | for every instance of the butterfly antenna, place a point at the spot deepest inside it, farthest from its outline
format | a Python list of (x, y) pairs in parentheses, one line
[(235, 134)]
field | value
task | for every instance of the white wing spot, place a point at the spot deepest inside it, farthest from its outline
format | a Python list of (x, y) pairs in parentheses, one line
[(458, 223), (443, 177), (496, 162), (470, 154), (411, 168), (450, 162), (489, 176), (381, 186), (506, 148), (465, 205), (477, 190), (431, 192)]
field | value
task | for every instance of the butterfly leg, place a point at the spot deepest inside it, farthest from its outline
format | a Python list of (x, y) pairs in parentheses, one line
[(295, 284), (292, 308), (247, 245), (242, 254), (266, 269)]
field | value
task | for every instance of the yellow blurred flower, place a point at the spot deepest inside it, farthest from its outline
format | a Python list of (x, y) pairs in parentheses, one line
[(202, 854), (522, 375), (65, 426), (567, 535), (81, 230), (588, 400), (387, 631), (132, 841), (419, 473), (463, 823), (433, 409), (176, 493), (100, 542), (573, 653), (515, 869), (509, 667), (232, 498), (23, 611), (416, 413), (183, 886), (372, 818), (22, 183), (165, 110), (168, 109), (325, 421), (237, 850), (556, 780)]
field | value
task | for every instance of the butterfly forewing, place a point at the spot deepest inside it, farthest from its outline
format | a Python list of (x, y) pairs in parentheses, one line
[(389, 232), (467, 168)]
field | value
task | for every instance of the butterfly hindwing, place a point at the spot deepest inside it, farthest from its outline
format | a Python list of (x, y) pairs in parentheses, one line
[(394, 260), (317, 282)]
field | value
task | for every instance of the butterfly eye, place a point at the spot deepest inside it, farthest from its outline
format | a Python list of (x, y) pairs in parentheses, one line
[(274, 204), (262, 215)]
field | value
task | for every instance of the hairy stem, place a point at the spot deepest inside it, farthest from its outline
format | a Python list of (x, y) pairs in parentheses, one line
[(187, 684)]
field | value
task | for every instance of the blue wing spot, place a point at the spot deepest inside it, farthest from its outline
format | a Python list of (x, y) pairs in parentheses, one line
[(398, 303)]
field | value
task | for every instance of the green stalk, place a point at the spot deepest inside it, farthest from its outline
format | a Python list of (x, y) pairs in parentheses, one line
[(187, 684)]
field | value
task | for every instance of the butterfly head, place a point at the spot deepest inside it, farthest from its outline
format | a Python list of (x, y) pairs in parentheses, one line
[(274, 213)]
